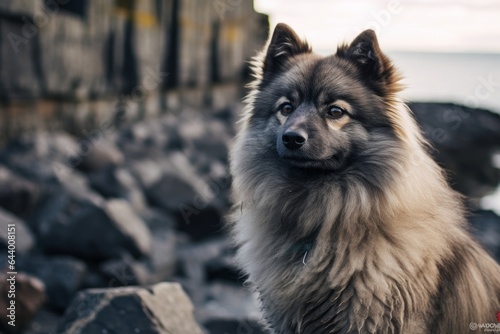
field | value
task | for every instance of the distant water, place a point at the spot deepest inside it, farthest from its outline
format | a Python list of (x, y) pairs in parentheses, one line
[(470, 79), (464, 78)]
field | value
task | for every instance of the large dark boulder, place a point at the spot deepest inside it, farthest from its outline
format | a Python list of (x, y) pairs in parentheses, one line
[(486, 227), (44, 322), (30, 296), (232, 325), (125, 271), (43, 157), (164, 242), (118, 183), (91, 230), (99, 153), (465, 141), (183, 193), (20, 233), (17, 194), (63, 276), (161, 308)]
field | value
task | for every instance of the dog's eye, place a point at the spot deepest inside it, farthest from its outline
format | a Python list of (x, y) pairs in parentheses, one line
[(286, 109), (335, 112)]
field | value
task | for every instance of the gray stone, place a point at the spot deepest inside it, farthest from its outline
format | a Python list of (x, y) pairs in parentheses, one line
[(43, 157), (162, 308), (126, 272), (165, 240), (44, 322), (119, 183), (162, 260), (130, 223), (195, 215), (101, 153), (147, 172), (486, 227), (466, 140), (17, 194), (170, 192), (229, 301), (79, 227), (232, 325), (63, 276), (30, 296), (193, 258), (183, 193), (159, 266), (24, 240)]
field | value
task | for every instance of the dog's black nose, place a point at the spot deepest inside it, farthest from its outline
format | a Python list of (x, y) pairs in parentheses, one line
[(294, 139)]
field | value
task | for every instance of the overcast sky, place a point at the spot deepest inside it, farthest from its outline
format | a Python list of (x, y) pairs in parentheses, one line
[(401, 25)]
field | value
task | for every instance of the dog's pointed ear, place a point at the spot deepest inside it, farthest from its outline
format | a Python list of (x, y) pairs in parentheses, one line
[(283, 45), (365, 53)]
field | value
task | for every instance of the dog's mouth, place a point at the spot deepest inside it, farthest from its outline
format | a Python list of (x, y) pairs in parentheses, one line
[(333, 162)]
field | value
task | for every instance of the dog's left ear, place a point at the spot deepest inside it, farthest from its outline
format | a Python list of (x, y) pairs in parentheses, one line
[(365, 53), (283, 45)]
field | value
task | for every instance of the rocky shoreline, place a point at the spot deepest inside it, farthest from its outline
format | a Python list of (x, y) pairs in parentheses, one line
[(101, 221)]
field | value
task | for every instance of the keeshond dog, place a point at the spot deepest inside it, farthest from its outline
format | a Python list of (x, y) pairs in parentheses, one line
[(343, 221)]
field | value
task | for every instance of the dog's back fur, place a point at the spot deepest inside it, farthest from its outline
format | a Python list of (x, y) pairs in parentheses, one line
[(380, 246)]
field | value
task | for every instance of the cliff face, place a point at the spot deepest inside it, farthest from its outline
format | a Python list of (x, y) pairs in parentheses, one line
[(66, 63)]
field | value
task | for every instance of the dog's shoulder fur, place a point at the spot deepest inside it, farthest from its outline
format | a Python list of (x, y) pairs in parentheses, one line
[(379, 247)]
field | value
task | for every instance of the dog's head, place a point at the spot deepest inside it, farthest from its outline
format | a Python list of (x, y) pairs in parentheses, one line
[(318, 112)]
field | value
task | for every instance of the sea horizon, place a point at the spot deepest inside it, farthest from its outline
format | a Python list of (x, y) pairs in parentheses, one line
[(470, 79)]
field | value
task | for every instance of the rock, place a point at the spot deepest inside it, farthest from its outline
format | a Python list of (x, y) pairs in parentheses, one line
[(161, 308), (486, 227), (17, 194), (125, 272), (147, 172), (63, 276), (178, 164), (465, 140), (224, 268), (147, 134), (215, 141), (184, 194), (95, 279), (93, 231), (222, 325), (23, 237), (229, 301), (170, 192), (101, 153), (163, 259), (159, 266), (157, 220), (44, 322), (130, 223), (200, 224), (119, 183), (193, 259), (29, 298), (44, 157), (75, 184)]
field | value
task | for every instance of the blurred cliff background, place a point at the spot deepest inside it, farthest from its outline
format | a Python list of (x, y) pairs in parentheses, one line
[(115, 121)]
